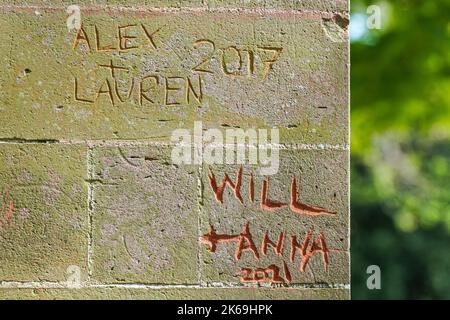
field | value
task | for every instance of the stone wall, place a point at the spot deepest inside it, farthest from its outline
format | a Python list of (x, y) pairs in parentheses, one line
[(94, 205)]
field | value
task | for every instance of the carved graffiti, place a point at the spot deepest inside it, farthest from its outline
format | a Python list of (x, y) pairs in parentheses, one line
[(265, 202), (152, 88), (244, 242), (304, 248), (126, 37), (167, 90), (235, 61)]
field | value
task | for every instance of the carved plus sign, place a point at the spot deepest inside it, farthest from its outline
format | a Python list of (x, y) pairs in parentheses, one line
[(112, 67)]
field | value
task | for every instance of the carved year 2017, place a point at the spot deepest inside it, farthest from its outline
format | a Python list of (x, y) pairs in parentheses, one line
[(157, 88), (130, 37), (235, 61)]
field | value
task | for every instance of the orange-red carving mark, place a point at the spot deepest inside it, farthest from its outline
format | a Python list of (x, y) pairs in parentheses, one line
[(237, 189), (212, 238), (251, 188), (295, 245), (287, 273), (245, 275), (275, 271), (301, 208), (271, 273), (278, 248), (321, 245), (266, 203), (259, 275), (218, 190), (6, 214), (317, 245), (246, 243)]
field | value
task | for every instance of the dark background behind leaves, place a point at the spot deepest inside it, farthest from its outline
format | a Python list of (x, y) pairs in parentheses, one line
[(400, 146)]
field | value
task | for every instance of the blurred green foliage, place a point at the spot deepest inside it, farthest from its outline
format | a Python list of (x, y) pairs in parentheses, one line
[(400, 146)]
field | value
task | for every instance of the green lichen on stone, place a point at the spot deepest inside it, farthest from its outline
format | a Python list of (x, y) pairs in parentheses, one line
[(47, 231), (96, 186), (145, 217), (303, 92)]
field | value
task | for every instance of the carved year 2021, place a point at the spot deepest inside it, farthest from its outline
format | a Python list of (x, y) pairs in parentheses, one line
[(244, 242)]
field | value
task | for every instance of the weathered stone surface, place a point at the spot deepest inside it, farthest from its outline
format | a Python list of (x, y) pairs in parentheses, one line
[(303, 91), (331, 5), (145, 220), (46, 231), (328, 5), (93, 3), (86, 172), (323, 178), (176, 293)]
